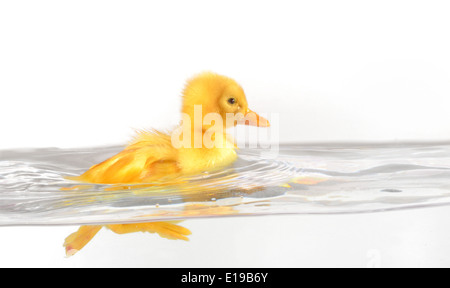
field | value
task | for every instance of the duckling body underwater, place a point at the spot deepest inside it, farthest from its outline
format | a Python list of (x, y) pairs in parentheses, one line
[(211, 104)]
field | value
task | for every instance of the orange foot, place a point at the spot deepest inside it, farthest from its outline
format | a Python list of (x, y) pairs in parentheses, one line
[(77, 240)]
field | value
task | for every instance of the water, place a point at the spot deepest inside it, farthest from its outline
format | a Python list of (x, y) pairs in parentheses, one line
[(299, 179)]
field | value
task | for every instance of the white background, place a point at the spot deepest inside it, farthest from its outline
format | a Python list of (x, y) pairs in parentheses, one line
[(85, 73)]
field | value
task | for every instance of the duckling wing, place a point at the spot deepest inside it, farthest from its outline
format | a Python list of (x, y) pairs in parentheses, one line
[(148, 158)]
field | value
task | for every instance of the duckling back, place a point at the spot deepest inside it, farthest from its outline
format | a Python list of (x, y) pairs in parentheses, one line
[(148, 158)]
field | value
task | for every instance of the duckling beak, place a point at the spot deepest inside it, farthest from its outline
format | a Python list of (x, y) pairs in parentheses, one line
[(253, 119)]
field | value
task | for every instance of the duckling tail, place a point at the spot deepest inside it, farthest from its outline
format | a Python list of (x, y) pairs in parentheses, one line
[(74, 178)]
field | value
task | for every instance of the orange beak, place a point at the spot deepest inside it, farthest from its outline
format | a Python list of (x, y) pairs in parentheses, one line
[(253, 119)]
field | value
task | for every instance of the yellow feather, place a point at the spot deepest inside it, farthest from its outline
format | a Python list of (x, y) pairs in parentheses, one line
[(150, 157)]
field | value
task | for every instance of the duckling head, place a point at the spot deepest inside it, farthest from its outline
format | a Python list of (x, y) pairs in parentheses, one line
[(213, 94)]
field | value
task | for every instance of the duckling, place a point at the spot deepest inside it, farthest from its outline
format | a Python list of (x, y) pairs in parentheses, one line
[(211, 103)]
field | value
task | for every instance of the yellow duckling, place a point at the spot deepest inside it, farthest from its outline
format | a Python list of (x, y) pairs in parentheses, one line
[(211, 104)]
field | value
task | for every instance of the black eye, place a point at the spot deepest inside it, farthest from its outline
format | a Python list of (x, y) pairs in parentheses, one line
[(231, 100)]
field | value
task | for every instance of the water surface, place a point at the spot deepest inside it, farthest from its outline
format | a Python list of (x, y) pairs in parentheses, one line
[(299, 179)]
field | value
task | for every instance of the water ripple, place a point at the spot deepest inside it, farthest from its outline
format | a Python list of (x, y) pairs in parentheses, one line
[(299, 179)]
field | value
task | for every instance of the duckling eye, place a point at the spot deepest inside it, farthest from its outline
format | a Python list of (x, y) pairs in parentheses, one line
[(232, 100)]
